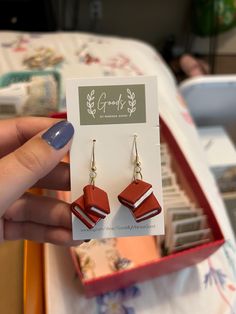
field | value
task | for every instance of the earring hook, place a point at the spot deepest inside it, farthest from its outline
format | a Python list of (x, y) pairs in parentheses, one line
[(93, 168), (137, 164)]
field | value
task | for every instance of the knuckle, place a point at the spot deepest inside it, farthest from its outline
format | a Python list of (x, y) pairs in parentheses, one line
[(63, 215), (29, 160)]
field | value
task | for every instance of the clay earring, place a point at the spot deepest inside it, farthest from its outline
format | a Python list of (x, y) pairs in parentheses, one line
[(93, 205), (138, 195)]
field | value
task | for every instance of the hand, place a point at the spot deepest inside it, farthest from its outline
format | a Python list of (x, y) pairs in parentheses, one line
[(30, 153), (193, 67)]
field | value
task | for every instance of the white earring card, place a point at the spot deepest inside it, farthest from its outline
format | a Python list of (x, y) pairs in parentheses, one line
[(113, 111)]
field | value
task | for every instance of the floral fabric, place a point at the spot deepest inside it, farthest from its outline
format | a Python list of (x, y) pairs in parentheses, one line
[(210, 286)]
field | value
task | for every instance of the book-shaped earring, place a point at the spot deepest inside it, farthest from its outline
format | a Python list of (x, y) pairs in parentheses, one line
[(135, 193), (139, 198), (93, 205), (78, 209), (96, 201), (148, 209), (138, 195)]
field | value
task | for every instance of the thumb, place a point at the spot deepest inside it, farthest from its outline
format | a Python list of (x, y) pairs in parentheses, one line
[(24, 167)]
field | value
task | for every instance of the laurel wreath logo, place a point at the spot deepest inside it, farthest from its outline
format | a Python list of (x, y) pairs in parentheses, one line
[(132, 102), (90, 103)]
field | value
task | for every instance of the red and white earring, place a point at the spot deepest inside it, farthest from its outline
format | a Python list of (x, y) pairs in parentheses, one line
[(138, 195), (93, 205)]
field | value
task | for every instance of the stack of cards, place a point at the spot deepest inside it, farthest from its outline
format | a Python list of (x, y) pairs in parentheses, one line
[(186, 225), (139, 198)]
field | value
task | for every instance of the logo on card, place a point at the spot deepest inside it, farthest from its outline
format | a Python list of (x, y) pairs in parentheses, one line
[(112, 104)]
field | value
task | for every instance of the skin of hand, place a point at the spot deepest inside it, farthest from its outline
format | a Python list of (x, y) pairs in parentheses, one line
[(31, 150), (193, 67)]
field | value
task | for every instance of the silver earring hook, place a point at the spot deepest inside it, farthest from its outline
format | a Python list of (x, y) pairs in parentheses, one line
[(93, 168), (137, 164)]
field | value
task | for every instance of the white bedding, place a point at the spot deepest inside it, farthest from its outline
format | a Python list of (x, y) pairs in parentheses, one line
[(209, 287)]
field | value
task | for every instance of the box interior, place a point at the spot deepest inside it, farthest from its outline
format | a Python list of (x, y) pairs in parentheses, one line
[(145, 266)]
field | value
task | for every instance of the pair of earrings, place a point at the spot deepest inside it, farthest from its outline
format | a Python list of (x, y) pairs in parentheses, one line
[(138, 197)]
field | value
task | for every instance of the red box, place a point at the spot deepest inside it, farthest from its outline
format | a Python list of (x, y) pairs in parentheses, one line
[(170, 263)]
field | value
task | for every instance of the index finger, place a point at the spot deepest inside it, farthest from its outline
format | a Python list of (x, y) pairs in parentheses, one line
[(22, 168), (15, 132)]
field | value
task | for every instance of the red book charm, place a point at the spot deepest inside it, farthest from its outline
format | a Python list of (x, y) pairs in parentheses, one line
[(96, 201), (135, 193), (139, 198), (148, 209), (78, 209)]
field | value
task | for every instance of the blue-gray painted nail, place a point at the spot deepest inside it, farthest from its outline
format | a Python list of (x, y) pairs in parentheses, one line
[(59, 134)]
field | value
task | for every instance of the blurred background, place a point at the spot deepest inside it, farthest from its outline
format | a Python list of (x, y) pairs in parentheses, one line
[(201, 30), (174, 27)]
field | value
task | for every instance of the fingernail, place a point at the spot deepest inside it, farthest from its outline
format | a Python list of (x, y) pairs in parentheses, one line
[(59, 134)]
